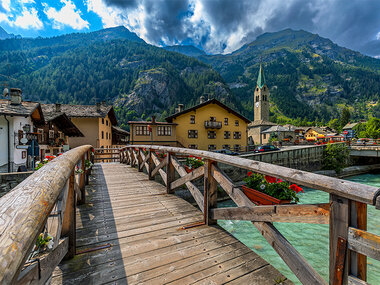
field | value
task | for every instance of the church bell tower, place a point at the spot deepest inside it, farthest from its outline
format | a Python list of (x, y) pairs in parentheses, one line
[(261, 98)]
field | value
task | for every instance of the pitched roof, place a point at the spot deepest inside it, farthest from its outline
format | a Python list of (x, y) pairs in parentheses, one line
[(261, 77), (258, 123), (119, 130), (318, 130), (87, 111), (61, 120), (278, 128), (211, 101), (350, 126), (24, 109)]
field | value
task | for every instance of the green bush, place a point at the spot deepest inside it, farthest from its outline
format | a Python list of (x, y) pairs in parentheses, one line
[(335, 157)]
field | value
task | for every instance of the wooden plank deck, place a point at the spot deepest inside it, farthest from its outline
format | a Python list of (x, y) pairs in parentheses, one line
[(142, 224)]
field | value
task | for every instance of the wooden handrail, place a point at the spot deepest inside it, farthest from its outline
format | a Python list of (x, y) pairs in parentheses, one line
[(354, 191), (25, 210)]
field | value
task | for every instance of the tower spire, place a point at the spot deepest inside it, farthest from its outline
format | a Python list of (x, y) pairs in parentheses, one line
[(261, 77)]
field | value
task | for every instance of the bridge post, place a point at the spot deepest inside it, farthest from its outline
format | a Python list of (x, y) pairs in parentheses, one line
[(139, 160), (170, 173), (210, 192), (151, 164), (69, 219)]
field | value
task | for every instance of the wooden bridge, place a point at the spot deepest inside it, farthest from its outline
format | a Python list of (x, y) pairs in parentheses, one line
[(126, 228)]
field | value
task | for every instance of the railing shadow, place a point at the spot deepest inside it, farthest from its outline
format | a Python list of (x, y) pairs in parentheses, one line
[(98, 256)]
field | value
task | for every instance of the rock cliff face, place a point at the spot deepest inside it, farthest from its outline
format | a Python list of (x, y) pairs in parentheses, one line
[(153, 91)]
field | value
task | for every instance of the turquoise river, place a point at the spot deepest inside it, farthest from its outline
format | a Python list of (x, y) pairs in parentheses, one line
[(311, 240)]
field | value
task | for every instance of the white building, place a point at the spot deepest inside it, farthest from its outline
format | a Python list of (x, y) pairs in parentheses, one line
[(18, 120)]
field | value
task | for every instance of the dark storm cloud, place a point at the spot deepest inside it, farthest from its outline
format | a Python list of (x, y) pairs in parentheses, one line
[(232, 23)]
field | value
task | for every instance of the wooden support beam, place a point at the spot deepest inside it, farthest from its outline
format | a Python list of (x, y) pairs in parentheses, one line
[(39, 273), (69, 219), (352, 280), (157, 162), (140, 164), (339, 223), (358, 220), (340, 260), (209, 193), (170, 173), (196, 173), (314, 214), (197, 195), (151, 166), (364, 242)]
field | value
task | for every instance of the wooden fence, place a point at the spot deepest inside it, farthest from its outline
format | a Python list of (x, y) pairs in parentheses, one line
[(45, 201), (106, 155), (346, 214)]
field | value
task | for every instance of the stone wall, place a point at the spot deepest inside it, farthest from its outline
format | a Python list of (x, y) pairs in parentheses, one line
[(10, 180)]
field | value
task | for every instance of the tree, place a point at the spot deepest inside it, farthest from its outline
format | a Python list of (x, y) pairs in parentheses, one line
[(345, 117)]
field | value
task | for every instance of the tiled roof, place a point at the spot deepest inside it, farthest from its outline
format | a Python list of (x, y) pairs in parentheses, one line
[(84, 111), (120, 130), (211, 101), (277, 128), (24, 109), (318, 130), (349, 126), (260, 123)]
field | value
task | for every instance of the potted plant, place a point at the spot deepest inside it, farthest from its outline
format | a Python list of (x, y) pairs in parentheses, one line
[(160, 155), (193, 162), (268, 190)]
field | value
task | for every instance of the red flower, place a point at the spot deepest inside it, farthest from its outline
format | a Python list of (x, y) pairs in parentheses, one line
[(249, 173), (270, 179), (296, 188), (279, 180), (191, 155)]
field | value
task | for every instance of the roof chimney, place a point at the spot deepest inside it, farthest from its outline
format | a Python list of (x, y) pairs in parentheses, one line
[(202, 99), (180, 107), (58, 107), (153, 119), (104, 103), (16, 96), (98, 107)]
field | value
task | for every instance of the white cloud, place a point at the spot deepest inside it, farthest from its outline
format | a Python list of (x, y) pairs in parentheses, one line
[(28, 19), (378, 36), (6, 4), (69, 15), (110, 16)]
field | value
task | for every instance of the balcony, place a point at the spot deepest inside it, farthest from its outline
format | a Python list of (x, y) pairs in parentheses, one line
[(213, 125)]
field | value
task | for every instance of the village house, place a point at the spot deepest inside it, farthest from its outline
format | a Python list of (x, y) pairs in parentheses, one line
[(120, 137), (210, 125), (348, 130), (53, 137), (94, 122), (19, 121), (153, 132)]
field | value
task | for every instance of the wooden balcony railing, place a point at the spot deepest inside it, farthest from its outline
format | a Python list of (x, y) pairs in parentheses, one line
[(46, 199), (346, 214)]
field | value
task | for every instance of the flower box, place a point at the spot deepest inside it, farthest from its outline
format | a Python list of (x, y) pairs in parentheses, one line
[(188, 169), (260, 198)]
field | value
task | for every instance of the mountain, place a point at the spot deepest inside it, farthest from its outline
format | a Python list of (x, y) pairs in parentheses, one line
[(188, 50), (4, 34), (309, 76), (112, 65)]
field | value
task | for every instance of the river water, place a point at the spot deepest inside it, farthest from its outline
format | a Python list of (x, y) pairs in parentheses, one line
[(311, 240)]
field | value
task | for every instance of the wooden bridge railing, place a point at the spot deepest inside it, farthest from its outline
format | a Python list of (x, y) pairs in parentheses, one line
[(346, 214), (44, 202), (106, 155)]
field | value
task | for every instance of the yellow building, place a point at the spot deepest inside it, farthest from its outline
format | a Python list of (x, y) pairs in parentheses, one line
[(210, 125), (94, 121), (152, 132), (313, 134)]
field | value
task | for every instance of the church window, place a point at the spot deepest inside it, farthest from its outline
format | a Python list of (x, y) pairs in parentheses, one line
[(264, 88), (257, 89), (236, 123)]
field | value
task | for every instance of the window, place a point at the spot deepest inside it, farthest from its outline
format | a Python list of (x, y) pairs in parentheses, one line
[(237, 147), (164, 131), (211, 134), (226, 146), (211, 147), (213, 119), (236, 123), (193, 134), (226, 121), (61, 136), (257, 98), (237, 135), (192, 119), (257, 89), (106, 122), (227, 134), (264, 136), (51, 134), (41, 136), (193, 146), (102, 121), (106, 136), (264, 88), (142, 131), (102, 135)]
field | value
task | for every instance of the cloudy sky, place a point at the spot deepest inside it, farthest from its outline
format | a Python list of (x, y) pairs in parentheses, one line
[(217, 26)]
